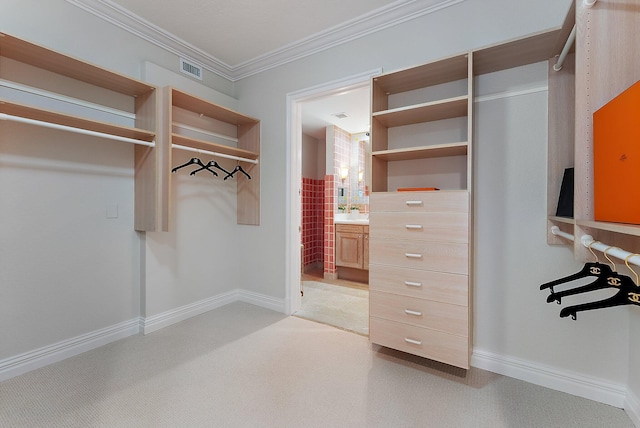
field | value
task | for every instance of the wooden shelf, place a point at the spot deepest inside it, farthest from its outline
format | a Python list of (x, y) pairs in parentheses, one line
[(565, 220), (200, 106), (426, 112), (626, 229), (43, 58), (435, 73), (214, 147), (50, 116), (423, 152)]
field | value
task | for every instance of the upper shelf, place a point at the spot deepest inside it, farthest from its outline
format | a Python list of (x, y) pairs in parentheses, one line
[(426, 112), (200, 106), (38, 56), (210, 146), (423, 152)]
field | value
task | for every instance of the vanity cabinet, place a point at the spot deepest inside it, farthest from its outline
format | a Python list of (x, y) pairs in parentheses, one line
[(352, 246)]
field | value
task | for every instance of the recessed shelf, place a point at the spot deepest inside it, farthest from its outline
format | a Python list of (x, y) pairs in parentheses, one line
[(565, 220), (423, 152), (200, 106), (426, 112)]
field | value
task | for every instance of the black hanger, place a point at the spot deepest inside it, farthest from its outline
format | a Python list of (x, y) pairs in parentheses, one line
[(208, 168), (190, 162), (238, 168), (603, 271), (629, 294), (589, 269)]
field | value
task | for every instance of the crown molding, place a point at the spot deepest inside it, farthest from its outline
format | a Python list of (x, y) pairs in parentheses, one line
[(379, 19)]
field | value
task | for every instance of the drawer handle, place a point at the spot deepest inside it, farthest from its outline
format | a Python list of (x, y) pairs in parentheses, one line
[(413, 341), (413, 255), (413, 284), (414, 313), (413, 203), (414, 226)]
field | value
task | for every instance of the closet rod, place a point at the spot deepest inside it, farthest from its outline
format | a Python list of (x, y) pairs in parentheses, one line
[(555, 230), (4, 116), (565, 49), (220, 155), (589, 3), (587, 240)]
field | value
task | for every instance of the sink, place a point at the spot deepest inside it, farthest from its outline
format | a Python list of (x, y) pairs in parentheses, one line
[(351, 218)]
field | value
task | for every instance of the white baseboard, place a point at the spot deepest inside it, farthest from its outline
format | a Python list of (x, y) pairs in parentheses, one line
[(571, 383), (632, 407), (156, 322), (19, 364), (22, 363)]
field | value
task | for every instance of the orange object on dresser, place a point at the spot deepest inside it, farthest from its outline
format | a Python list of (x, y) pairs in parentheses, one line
[(616, 165)]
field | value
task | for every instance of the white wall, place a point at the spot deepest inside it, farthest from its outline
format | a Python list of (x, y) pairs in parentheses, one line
[(633, 394), (313, 157)]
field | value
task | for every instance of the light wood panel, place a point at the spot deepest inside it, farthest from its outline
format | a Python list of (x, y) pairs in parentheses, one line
[(425, 112), (432, 201), (432, 344), (423, 313), (437, 256), (421, 226), (423, 152)]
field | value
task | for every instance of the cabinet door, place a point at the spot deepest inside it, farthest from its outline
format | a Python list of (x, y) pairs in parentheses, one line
[(365, 250), (349, 249)]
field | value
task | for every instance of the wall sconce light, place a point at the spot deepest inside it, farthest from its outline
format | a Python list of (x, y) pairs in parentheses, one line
[(344, 173), (360, 176)]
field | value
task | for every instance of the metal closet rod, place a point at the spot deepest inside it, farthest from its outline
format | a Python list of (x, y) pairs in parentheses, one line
[(4, 116), (588, 241), (220, 155), (570, 40)]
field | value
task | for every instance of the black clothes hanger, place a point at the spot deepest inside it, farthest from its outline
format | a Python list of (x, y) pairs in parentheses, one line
[(238, 168), (589, 269), (208, 168), (629, 294), (190, 162), (603, 272)]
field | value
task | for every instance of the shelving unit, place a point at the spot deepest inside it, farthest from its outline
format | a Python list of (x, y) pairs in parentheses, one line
[(37, 67), (196, 123), (592, 75)]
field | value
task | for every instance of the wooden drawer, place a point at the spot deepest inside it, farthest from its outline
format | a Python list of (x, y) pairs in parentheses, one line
[(432, 344), (436, 201), (436, 256), (425, 226), (352, 228), (444, 317), (424, 284)]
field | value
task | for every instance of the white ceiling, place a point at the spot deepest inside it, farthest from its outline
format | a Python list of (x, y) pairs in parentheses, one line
[(238, 38)]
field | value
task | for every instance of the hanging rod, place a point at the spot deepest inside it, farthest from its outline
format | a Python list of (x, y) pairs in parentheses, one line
[(589, 3), (4, 116), (588, 241), (565, 49), (220, 155), (555, 230)]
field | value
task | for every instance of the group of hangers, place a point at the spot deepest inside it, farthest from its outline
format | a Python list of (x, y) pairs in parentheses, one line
[(606, 277), (208, 166)]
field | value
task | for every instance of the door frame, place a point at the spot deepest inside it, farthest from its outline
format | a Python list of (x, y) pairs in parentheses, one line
[(295, 100)]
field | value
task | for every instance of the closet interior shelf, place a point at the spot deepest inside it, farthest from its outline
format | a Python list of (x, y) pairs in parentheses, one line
[(589, 242), (50, 119), (423, 152), (212, 153)]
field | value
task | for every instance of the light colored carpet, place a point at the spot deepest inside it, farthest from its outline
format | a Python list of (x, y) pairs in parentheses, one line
[(339, 306), (244, 366)]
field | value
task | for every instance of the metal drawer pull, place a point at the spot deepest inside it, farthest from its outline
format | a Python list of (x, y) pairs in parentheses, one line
[(413, 256), (413, 284), (414, 202), (414, 313), (413, 341), (413, 226)]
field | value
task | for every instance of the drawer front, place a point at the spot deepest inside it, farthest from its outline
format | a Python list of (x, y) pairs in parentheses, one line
[(436, 256), (431, 226), (444, 317), (423, 284), (436, 201), (351, 228), (432, 344)]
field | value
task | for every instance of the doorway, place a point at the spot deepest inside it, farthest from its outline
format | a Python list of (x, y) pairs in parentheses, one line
[(296, 103)]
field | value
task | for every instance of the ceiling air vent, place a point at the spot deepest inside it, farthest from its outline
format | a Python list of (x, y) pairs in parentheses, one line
[(191, 69)]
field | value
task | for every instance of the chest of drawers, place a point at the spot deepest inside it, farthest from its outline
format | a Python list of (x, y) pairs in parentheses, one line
[(419, 274)]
